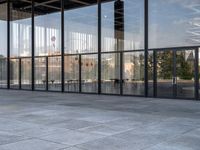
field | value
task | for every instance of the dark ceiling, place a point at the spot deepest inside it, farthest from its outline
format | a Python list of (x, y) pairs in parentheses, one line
[(50, 6), (21, 9)]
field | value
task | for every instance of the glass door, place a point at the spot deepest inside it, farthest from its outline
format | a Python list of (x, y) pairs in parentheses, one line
[(185, 74), (165, 71), (176, 74)]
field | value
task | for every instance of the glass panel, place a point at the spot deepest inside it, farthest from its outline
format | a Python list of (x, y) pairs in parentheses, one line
[(150, 74), (47, 28), (133, 74), (164, 74), (199, 71), (26, 73), (3, 72), (72, 73), (110, 73), (20, 28), (40, 73), (81, 24), (3, 45), (89, 73), (173, 23), (122, 25), (54, 73), (185, 61), (14, 73)]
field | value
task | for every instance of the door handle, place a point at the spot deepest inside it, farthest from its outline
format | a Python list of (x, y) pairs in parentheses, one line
[(174, 80)]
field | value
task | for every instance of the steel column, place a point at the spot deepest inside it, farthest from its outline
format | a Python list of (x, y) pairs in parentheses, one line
[(121, 73), (196, 74), (47, 72), (80, 78), (62, 47), (99, 46), (33, 46), (146, 23), (20, 73), (155, 73), (8, 44)]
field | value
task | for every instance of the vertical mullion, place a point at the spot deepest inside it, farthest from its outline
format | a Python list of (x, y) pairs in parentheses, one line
[(155, 73), (196, 73), (174, 74), (8, 44), (62, 47), (80, 75), (20, 73), (146, 23), (47, 73), (121, 73), (99, 46), (33, 46)]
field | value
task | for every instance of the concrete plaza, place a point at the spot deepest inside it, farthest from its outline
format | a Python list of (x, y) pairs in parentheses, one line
[(56, 121)]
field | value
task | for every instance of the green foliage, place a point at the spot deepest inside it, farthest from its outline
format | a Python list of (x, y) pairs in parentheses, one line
[(165, 64), (184, 67)]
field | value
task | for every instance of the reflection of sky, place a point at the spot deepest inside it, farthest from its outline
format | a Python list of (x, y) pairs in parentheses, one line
[(170, 22)]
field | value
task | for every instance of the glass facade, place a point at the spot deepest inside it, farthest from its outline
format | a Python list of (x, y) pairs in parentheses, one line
[(123, 47)]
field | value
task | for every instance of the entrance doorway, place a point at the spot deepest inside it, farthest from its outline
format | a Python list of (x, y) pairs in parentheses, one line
[(175, 71)]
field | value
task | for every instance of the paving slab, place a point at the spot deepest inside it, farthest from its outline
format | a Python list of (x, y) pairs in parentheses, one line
[(71, 137), (33, 144)]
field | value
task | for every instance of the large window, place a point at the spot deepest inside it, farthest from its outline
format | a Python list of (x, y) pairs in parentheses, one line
[(72, 68), (14, 73), (20, 29), (81, 27), (89, 73), (54, 73), (20, 43), (173, 23), (122, 25), (110, 73), (47, 28), (26, 73), (41, 73), (3, 45), (133, 73), (48, 45), (81, 37)]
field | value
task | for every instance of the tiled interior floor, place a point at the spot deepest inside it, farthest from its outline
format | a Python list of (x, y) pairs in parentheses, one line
[(56, 121)]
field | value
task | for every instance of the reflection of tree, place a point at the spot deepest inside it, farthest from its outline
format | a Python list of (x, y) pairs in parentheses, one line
[(165, 63), (184, 69), (150, 66)]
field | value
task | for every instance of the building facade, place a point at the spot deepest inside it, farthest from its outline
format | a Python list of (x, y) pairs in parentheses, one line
[(147, 48)]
